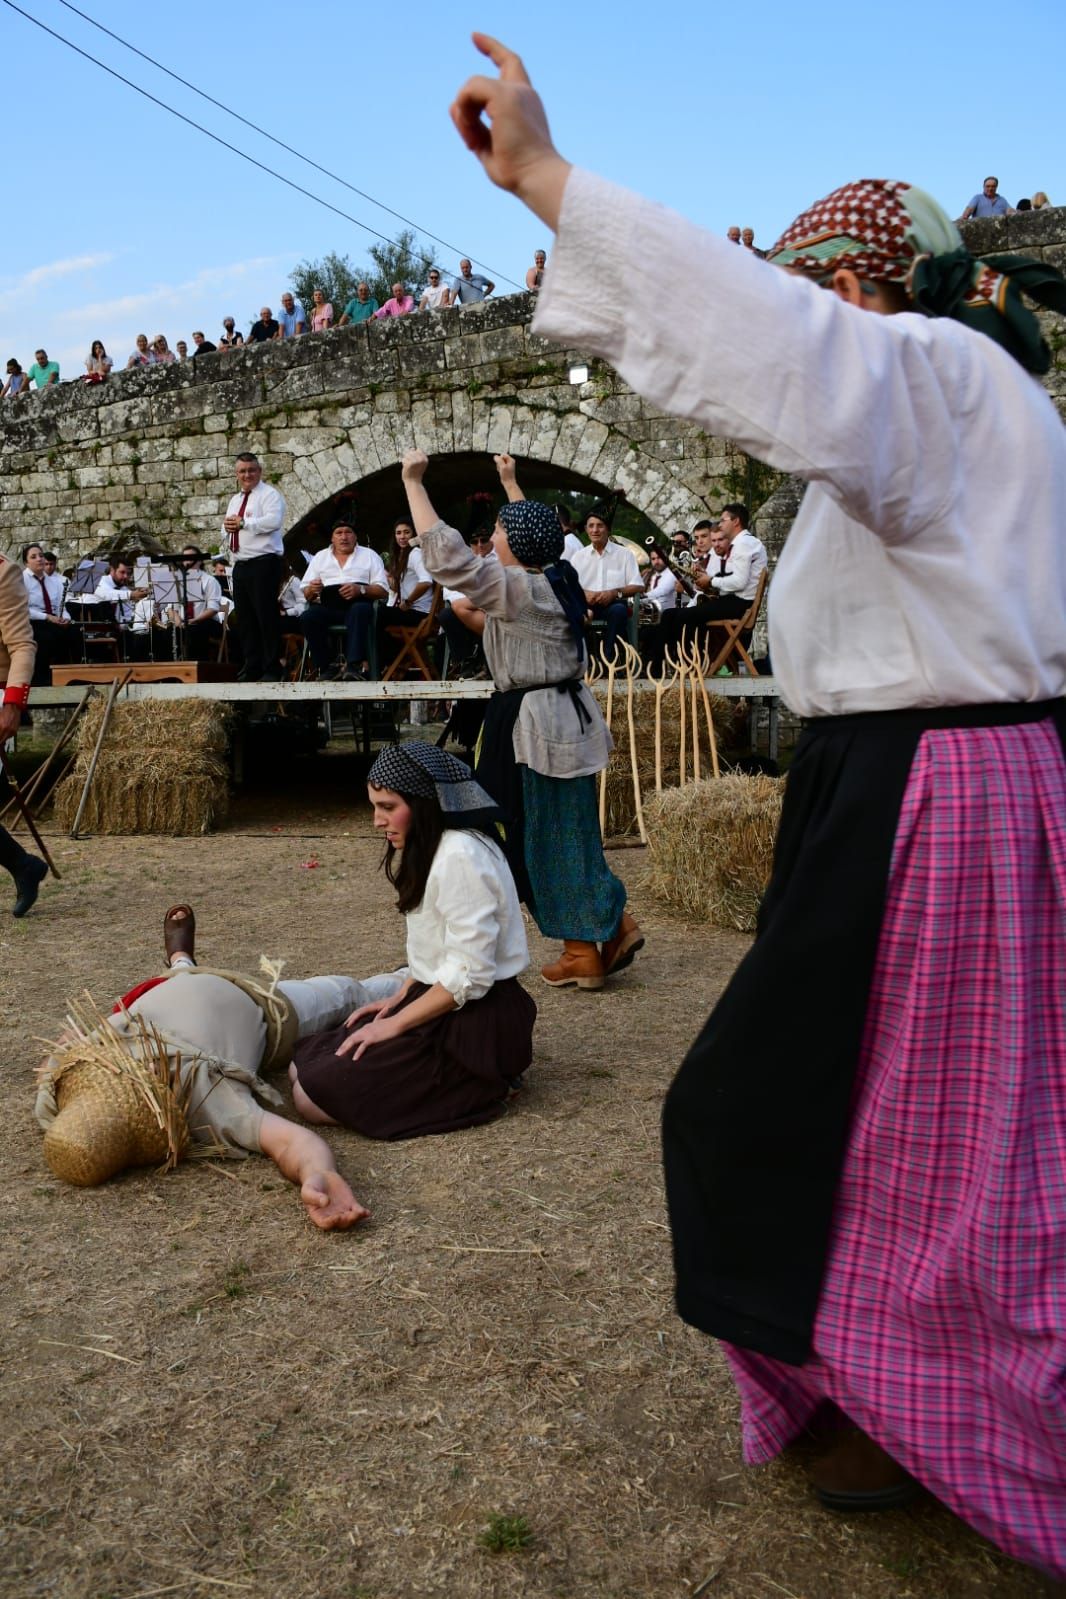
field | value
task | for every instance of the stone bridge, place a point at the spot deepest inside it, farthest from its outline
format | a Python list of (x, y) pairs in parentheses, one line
[(149, 454), (150, 451)]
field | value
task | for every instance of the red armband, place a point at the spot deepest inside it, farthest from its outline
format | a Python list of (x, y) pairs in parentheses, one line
[(17, 694)]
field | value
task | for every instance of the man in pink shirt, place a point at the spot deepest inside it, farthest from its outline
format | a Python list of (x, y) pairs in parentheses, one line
[(401, 304)]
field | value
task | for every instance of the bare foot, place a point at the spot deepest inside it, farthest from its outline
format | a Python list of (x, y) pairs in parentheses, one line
[(330, 1202)]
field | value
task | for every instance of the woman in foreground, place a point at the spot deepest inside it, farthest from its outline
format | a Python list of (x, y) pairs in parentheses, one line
[(448, 1047), (864, 1148)]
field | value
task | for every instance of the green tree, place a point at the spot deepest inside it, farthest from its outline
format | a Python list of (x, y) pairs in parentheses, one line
[(407, 260)]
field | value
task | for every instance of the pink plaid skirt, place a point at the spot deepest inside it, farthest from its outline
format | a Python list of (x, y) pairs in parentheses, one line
[(941, 1328)]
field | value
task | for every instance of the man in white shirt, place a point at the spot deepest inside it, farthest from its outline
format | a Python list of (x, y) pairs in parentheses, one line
[(53, 631), (726, 587), (252, 538), (114, 589), (341, 585), (609, 575), (435, 296)]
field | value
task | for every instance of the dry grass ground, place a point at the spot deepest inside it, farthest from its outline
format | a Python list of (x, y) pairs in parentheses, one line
[(202, 1396)]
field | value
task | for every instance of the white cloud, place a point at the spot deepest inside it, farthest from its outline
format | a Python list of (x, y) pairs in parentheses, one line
[(53, 269), (167, 295)]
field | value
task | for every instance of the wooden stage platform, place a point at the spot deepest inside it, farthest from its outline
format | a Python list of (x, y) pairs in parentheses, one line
[(144, 672)]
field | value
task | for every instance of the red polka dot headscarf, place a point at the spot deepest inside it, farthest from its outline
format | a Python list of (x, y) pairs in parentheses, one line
[(891, 232)]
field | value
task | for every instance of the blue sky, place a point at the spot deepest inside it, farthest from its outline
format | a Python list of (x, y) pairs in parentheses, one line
[(123, 220)]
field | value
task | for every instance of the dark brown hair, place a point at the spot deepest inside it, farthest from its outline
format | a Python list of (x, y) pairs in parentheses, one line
[(416, 857)]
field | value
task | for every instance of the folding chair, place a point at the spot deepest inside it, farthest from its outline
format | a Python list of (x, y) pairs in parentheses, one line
[(736, 633), (412, 641), (99, 630)]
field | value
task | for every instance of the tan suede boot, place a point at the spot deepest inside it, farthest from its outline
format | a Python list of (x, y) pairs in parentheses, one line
[(579, 964), (617, 952)]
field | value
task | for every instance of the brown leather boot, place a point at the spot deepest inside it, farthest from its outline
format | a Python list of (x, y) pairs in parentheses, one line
[(617, 952), (578, 964), (857, 1474)]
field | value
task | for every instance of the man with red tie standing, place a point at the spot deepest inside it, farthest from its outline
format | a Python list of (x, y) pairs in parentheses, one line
[(252, 537)]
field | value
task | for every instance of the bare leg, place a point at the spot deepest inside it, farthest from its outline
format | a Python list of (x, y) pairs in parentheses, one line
[(307, 1107), (306, 1159)]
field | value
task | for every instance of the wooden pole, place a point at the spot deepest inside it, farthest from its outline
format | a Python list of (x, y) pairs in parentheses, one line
[(25, 810), (611, 669), (682, 762), (38, 777), (712, 741), (632, 660), (117, 683)]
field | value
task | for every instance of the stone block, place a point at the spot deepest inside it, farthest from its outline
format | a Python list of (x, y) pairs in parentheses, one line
[(461, 353), (200, 506), (462, 420), (91, 477), (216, 424), (422, 358), (503, 344), (160, 471), (390, 401), (571, 430), (424, 424), (364, 447), (592, 441), (204, 467)]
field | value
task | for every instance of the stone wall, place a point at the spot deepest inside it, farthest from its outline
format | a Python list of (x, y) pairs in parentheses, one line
[(151, 450)]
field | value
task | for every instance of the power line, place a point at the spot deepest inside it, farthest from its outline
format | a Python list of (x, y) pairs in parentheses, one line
[(221, 106), (192, 123)]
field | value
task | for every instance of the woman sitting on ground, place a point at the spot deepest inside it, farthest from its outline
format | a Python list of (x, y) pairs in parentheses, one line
[(544, 737), (446, 1049)]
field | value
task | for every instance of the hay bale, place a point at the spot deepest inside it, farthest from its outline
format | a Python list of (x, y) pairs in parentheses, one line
[(710, 847), (163, 768), (621, 817)]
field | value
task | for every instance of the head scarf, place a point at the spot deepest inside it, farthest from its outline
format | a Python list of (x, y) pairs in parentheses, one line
[(536, 539), (890, 232), (431, 773)]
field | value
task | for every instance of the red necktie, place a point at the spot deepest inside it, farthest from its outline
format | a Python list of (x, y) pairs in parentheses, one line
[(721, 565), (46, 597), (235, 537)]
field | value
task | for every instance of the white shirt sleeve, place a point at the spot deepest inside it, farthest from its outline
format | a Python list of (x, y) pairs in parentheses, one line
[(786, 369), (468, 932)]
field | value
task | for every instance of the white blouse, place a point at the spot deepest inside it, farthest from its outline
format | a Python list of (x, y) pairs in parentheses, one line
[(468, 932), (415, 574), (927, 565)]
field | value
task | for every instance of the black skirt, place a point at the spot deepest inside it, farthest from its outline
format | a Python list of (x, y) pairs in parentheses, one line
[(453, 1071)]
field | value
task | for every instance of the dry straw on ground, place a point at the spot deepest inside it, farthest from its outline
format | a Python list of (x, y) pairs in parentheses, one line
[(710, 847), (162, 769)]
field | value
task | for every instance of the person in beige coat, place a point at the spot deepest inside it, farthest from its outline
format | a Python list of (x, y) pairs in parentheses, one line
[(17, 653)]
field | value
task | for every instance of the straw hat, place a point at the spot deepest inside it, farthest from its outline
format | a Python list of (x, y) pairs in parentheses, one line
[(117, 1106)]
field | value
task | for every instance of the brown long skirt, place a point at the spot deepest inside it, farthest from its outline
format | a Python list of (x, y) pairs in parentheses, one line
[(454, 1071)]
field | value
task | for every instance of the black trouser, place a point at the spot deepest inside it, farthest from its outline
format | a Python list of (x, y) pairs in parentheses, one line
[(356, 618), (12, 854), (56, 645), (463, 643), (685, 622), (202, 640), (615, 616), (256, 583)]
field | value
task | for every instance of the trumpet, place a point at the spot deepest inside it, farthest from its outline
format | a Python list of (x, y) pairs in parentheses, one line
[(652, 543)]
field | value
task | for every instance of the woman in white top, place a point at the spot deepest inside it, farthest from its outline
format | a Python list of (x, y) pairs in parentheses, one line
[(864, 1149), (451, 1043), (97, 363)]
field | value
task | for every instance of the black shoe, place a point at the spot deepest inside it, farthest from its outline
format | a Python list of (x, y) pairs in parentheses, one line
[(28, 880)]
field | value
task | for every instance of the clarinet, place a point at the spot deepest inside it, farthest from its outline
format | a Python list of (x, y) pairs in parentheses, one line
[(679, 572)]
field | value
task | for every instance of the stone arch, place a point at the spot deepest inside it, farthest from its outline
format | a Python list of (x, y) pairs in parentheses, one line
[(373, 502)]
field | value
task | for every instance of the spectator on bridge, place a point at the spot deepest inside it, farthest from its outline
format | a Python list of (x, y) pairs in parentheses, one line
[(17, 381), (44, 373), (164, 355), (230, 337), (203, 346), (51, 621), (989, 203), (435, 296), (97, 363), (265, 329), (401, 304), (470, 287), (733, 235), (340, 585), (535, 273), (1040, 200), (609, 575), (142, 354), (182, 349), (292, 318), (747, 239), (360, 307), (322, 314)]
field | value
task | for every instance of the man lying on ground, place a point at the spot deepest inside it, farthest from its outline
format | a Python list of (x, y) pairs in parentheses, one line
[(184, 1067)]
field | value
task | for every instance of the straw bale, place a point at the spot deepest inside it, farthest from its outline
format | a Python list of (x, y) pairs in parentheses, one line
[(710, 847), (163, 768), (621, 816)]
